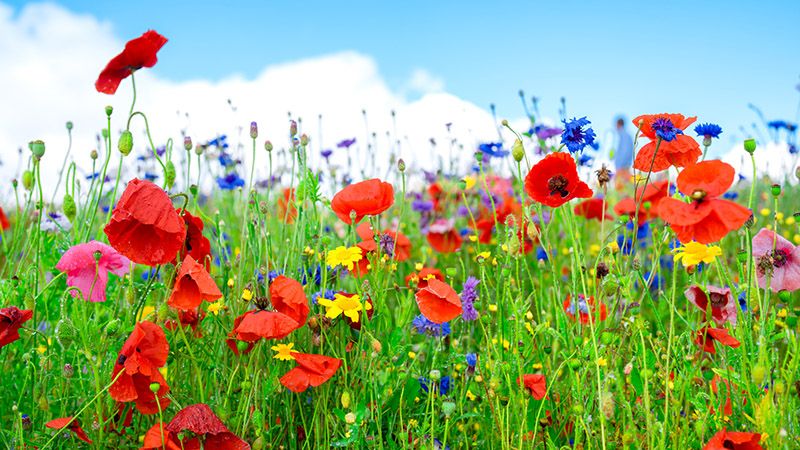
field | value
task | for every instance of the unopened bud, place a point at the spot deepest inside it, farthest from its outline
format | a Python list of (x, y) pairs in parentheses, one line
[(268, 146), (27, 180), (292, 128), (155, 387), (775, 189), (109, 110), (750, 145), (304, 140), (69, 125), (169, 174), (253, 130), (69, 207), (187, 143), (93, 154), (68, 371), (401, 165), (125, 144), (518, 151)]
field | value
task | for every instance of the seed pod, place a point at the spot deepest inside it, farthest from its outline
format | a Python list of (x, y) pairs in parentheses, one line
[(125, 144)]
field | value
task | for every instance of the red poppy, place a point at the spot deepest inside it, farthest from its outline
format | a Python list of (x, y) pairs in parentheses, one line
[(734, 440), (187, 318), (287, 212), (233, 341), (138, 53), (11, 319), (706, 337), (367, 198), (535, 384), (437, 195), (311, 370), (193, 285), (706, 219), (648, 197), (584, 307), (554, 181), (196, 245), (723, 306), (594, 208), (202, 422), (288, 298), (682, 151), (260, 324), (443, 237), (438, 302), (4, 220), (144, 352), (396, 244), (144, 226), (71, 425), (153, 440), (421, 278)]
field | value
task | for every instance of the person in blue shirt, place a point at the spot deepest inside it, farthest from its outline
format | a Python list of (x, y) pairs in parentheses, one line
[(623, 153)]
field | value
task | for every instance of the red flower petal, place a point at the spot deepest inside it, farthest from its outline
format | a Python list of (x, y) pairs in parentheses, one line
[(288, 298), (367, 198), (535, 384), (554, 181), (311, 370), (438, 302), (193, 285), (11, 319), (266, 325), (138, 53)]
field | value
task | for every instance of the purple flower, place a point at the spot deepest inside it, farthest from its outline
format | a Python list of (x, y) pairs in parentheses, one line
[(544, 132), (387, 244), (665, 129), (426, 326), (469, 294), (422, 205), (346, 143)]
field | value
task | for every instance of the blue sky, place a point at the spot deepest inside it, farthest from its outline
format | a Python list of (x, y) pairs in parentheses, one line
[(704, 58)]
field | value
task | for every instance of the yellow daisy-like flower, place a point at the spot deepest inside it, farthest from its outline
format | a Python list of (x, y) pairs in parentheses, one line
[(694, 253), (346, 257), (217, 306), (350, 306), (284, 351), (469, 182), (247, 294), (483, 255)]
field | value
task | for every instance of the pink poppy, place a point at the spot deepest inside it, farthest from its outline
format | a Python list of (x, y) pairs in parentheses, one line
[(723, 307), (87, 267), (781, 265)]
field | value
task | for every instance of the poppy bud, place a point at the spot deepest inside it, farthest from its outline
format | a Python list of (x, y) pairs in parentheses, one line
[(169, 174), (259, 443), (775, 189), (304, 140), (253, 130), (292, 128), (193, 190), (268, 146), (104, 133), (750, 145), (37, 148), (66, 333), (187, 143), (784, 296), (93, 155), (69, 208), (450, 271), (198, 149), (518, 151), (758, 374), (401, 165), (478, 156), (112, 327), (109, 110), (125, 144), (154, 387), (14, 183), (241, 346), (27, 180), (345, 399), (69, 125)]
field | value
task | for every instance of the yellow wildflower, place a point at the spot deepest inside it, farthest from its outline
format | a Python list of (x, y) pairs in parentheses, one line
[(247, 294), (470, 395), (469, 181), (346, 257), (350, 306), (483, 255), (694, 253), (764, 212), (284, 351), (217, 306)]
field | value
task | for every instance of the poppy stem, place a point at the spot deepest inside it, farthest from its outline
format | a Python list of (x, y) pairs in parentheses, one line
[(185, 200)]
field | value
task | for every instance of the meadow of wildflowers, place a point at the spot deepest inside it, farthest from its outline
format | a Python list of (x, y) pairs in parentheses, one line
[(528, 302)]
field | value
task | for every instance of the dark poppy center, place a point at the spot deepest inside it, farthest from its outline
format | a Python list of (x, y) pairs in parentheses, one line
[(558, 185), (728, 444), (780, 258), (261, 303), (717, 300), (121, 360)]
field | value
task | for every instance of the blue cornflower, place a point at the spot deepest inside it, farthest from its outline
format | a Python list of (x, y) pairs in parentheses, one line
[(778, 124), (708, 130), (426, 326), (326, 153), (346, 143), (665, 129), (149, 176), (743, 300), (493, 149), (472, 359), (469, 294), (541, 254), (219, 142), (272, 274), (328, 294), (444, 384), (575, 137), (422, 205), (544, 132), (230, 181), (225, 160), (730, 195)]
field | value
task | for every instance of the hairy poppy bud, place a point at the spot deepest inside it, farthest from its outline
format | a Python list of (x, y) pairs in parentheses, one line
[(775, 189), (292, 128), (198, 149), (125, 144), (66, 333), (69, 125), (112, 327), (187, 143), (750, 145), (14, 183), (253, 130), (68, 371), (304, 140), (479, 156), (109, 110), (104, 133), (27, 180), (93, 155), (784, 296), (193, 189), (169, 174), (758, 374), (518, 151), (268, 146), (345, 399), (401, 165), (37, 148), (69, 208)]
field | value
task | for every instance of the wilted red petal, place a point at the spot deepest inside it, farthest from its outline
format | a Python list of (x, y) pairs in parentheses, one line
[(193, 285), (266, 325), (11, 319), (287, 297), (198, 418)]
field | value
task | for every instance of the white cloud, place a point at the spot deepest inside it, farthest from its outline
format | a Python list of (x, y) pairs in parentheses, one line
[(52, 56)]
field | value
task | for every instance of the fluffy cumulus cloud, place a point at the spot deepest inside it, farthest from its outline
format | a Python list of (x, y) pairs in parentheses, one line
[(51, 57)]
